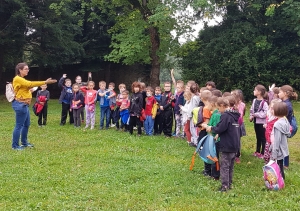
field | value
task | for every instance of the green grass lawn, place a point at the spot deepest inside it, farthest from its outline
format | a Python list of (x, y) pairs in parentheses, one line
[(73, 169)]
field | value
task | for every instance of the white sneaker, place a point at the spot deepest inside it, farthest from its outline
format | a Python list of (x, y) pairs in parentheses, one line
[(135, 128), (92, 127), (112, 125), (86, 127)]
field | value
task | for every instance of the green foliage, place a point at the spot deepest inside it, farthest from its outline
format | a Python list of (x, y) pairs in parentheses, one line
[(129, 45), (52, 43), (13, 15), (245, 50), (76, 169)]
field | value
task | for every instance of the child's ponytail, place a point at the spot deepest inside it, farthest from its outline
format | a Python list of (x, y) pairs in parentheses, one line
[(289, 92)]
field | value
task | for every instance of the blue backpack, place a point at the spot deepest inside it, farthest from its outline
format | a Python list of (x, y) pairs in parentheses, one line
[(206, 149), (294, 126)]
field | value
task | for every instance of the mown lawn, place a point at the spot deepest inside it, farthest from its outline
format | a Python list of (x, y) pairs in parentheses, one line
[(73, 169)]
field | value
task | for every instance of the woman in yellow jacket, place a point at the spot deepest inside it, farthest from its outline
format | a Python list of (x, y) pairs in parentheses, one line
[(23, 96)]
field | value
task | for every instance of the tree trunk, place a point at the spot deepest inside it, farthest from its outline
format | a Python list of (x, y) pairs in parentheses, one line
[(1, 61), (107, 73), (155, 64)]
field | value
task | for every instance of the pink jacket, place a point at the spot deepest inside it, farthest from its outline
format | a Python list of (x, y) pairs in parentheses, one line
[(261, 114)]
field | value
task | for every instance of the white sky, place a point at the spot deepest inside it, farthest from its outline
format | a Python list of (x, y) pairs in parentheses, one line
[(200, 26)]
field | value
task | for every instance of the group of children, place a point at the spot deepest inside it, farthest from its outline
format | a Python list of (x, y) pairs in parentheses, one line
[(197, 112)]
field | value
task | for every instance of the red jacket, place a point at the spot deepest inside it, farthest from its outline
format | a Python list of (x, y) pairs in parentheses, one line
[(269, 128), (150, 101)]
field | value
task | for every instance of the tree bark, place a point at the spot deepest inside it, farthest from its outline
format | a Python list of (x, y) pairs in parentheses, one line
[(155, 64), (1, 61), (155, 42)]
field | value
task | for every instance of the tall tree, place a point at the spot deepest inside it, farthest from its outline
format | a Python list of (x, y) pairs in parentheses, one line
[(52, 38), (143, 31), (13, 29), (247, 48)]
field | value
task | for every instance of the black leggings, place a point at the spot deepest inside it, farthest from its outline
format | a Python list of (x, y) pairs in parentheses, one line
[(260, 138), (134, 120)]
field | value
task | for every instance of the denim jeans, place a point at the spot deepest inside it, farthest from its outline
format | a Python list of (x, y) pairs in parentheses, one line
[(22, 123), (105, 111), (148, 125)]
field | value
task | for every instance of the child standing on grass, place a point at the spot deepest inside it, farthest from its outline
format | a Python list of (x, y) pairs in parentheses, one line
[(78, 81), (65, 99), (158, 119), (42, 97), (179, 101), (166, 110), (206, 113), (228, 130), (77, 105), (150, 111), (258, 114), (270, 121), (136, 106), (286, 94), (124, 111), (195, 102), (241, 107), (281, 130), (213, 121), (89, 101), (104, 104), (119, 98), (112, 103), (185, 117)]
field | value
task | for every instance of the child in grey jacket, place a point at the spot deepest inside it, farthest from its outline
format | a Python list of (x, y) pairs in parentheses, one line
[(281, 130)]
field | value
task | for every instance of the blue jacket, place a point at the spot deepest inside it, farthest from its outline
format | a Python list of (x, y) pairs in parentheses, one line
[(66, 94), (103, 101), (179, 100), (290, 110)]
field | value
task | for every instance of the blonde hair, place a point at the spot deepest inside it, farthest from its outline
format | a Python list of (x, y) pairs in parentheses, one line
[(187, 96), (205, 95), (122, 86), (222, 101), (180, 83)]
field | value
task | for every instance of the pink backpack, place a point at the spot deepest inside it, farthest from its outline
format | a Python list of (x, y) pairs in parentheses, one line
[(272, 176)]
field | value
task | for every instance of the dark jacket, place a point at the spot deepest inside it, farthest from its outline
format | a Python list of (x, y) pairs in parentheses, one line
[(144, 98), (228, 130), (166, 102), (78, 96), (136, 104), (290, 110), (179, 100), (66, 92), (45, 93)]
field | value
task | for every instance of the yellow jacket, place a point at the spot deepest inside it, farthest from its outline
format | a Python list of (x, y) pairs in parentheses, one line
[(22, 87)]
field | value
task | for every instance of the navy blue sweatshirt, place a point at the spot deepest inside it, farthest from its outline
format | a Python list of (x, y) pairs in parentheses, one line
[(179, 100), (78, 96), (66, 92), (228, 130)]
